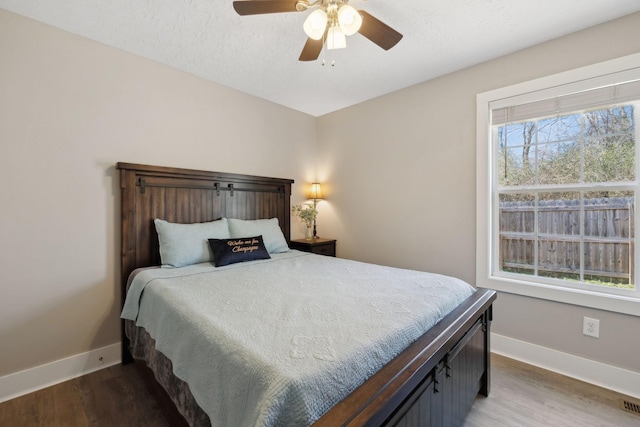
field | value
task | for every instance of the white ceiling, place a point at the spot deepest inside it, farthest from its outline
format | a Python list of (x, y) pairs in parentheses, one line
[(259, 54)]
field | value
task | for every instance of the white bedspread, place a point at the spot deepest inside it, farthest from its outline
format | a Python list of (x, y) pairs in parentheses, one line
[(279, 342)]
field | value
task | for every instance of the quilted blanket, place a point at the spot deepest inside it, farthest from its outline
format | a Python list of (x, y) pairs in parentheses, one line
[(278, 342)]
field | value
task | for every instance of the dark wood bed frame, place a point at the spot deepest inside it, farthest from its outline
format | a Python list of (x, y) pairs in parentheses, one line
[(434, 382)]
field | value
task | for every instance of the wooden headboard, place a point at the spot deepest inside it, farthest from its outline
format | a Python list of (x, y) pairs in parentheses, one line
[(190, 196)]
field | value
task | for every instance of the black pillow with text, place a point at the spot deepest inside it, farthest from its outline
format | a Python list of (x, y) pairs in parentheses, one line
[(231, 251)]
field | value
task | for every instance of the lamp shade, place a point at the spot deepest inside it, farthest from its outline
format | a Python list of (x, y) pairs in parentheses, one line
[(315, 192), (349, 19), (315, 24), (336, 38)]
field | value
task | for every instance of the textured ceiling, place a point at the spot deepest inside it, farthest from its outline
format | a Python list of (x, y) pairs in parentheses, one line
[(259, 54)]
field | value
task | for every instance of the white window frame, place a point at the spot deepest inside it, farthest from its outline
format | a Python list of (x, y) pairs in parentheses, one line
[(603, 74)]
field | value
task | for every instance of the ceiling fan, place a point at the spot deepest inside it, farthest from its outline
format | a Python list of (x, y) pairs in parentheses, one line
[(331, 20)]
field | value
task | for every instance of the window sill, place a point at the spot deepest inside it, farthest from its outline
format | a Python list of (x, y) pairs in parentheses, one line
[(615, 303)]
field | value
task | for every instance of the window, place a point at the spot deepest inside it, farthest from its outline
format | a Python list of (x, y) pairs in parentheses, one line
[(558, 180)]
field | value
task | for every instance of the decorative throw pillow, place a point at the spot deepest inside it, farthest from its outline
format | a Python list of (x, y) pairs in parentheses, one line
[(186, 244), (230, 251), (269, 229)]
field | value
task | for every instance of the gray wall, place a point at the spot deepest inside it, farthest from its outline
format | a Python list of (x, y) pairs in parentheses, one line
[(70, 108)]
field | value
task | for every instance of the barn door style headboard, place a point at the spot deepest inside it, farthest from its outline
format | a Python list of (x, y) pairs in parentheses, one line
[(190, 196)]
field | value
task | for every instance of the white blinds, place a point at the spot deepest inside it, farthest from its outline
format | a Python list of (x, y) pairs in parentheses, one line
[(574, 102)]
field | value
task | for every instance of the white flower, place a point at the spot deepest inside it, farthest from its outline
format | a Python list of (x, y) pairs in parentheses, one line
[(307, 214)]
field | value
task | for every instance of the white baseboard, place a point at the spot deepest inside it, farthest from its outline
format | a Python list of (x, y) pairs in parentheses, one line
[(607, 376), (600, 374), (30, 380)]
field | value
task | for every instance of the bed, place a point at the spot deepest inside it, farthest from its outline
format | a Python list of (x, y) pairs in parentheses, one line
[(432, 381)]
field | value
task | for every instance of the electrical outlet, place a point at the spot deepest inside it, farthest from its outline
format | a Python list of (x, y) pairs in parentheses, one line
[(591, 327)]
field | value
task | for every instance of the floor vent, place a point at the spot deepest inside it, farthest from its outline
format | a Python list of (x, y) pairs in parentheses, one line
[(630, 406)]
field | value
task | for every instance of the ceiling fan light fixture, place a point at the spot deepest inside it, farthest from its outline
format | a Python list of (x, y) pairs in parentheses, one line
[(315, 24), (336, 38), (327, 25), (349, 19)]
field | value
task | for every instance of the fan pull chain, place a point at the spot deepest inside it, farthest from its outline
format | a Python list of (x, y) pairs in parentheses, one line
[(333, 62)]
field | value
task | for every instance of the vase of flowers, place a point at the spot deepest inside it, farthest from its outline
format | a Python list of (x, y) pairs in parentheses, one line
[(306, 214)]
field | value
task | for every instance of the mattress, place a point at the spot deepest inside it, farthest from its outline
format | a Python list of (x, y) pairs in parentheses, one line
[(280, 341)]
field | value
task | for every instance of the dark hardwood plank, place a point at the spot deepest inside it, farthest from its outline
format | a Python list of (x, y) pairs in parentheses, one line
[(116, 396)]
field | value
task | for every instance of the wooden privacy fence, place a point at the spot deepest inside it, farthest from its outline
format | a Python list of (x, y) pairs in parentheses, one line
[(607, 241)]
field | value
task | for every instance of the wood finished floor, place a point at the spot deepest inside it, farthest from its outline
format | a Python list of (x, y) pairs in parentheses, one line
[(521, 395), (527, 396)]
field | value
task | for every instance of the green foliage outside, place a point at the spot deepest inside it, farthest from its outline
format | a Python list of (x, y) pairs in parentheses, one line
[(599, 143)]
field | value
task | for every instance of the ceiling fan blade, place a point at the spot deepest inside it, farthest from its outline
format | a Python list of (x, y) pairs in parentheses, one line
[(258, 7), (378, 32), (311, 49)]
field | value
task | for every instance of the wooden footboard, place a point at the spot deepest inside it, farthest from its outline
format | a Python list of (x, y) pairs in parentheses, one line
[(434, 381)]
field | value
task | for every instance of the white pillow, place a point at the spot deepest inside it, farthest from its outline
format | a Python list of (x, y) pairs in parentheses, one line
[(186, 244), (269, 229)]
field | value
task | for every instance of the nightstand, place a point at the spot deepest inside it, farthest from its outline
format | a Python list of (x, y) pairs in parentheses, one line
[(316, 246)]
